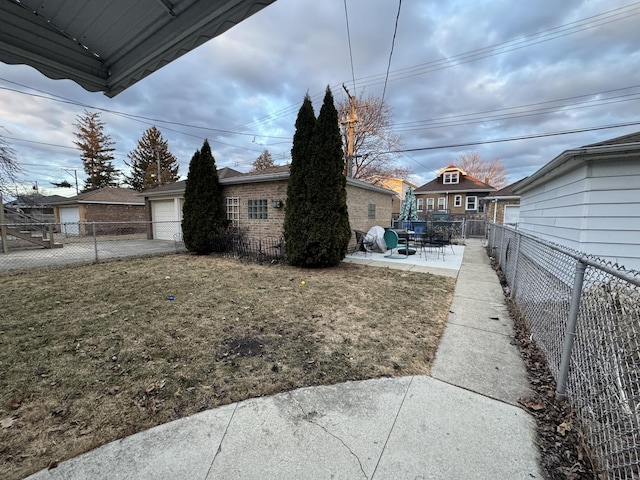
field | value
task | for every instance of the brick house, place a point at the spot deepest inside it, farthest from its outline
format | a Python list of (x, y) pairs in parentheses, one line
[(255, 203), (503, 206), (107, 204), (452, 191)]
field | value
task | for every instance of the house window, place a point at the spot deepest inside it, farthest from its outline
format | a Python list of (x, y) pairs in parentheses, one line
[(472, 203), (442, 203), (420, 204), (429, 203), (451, 177), (457, 201), (233, 210), (257, 209), (371, 211)]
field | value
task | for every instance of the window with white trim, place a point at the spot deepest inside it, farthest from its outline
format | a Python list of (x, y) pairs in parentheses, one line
[(457, 201), (233, 210), (442, 203), (472, 203), (451, 177), (257, 209), (420, 204), (429, 203)]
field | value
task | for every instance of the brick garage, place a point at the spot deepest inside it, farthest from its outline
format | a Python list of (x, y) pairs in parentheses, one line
[(108, 207), (368, 205)]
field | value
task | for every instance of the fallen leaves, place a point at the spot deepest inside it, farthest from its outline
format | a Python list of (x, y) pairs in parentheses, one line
[(531, 404)]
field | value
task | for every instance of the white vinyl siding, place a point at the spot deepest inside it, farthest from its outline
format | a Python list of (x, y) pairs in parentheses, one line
[(594, 208)]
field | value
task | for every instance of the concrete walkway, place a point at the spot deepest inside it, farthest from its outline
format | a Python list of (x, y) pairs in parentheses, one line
[(460, 423)]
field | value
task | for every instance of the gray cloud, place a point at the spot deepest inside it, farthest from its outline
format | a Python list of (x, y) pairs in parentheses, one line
[(252, 80)]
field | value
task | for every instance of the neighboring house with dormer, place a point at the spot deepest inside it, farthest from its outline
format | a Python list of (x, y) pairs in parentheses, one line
[(453, 191)]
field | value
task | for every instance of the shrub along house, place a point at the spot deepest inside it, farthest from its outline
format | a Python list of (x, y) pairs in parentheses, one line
[(255, 203), (452, 191)]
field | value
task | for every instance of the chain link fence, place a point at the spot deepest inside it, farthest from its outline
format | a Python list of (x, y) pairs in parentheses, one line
[(34, 245), (584, 314)]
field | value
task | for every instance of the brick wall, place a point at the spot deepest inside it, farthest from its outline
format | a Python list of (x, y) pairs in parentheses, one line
[(358, 200), (98, 212)]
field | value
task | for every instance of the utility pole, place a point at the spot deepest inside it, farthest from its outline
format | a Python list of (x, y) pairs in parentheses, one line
[(75, 175), (350, 123)]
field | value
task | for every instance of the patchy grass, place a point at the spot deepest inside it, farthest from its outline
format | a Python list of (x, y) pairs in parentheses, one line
[(94, 353)]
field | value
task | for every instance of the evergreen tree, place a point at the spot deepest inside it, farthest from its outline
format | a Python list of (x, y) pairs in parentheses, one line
[(296, 218), (263, 162), (203, 213), (328, 231), (151, 149), (95, 147)]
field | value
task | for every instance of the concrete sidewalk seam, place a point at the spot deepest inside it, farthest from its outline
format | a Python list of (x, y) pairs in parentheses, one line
[(384, 447), (504, 402), (480, 329), (219, 449)]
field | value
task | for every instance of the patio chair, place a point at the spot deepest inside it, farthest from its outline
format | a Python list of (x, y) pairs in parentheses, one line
[(393, 241), (364, 242)]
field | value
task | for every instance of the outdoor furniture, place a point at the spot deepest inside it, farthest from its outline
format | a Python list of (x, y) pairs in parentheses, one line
[(364, 242), (393, 241)]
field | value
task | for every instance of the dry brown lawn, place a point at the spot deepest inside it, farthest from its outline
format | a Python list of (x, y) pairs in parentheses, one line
[(93, 353)]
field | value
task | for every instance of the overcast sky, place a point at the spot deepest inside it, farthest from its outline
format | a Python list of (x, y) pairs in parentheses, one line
[(461, 72)]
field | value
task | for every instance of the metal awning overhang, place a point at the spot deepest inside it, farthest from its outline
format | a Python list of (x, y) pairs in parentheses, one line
[(110, 45)]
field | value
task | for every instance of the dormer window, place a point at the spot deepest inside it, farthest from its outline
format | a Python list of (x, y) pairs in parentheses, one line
[(451, 177)]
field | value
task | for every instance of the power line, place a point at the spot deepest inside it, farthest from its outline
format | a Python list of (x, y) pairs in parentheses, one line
[(393, 42), (353, 75), (513, 139), (553, 33)]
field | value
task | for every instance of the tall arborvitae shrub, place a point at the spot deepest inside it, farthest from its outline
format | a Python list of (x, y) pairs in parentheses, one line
[(296, 209), (328, 230), (203, 213)]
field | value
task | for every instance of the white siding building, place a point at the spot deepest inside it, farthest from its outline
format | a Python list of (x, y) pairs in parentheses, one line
[(588, 199)]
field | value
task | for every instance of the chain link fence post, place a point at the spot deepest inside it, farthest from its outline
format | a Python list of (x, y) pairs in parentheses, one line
[(570, 331), (515, 266), (95, 241)]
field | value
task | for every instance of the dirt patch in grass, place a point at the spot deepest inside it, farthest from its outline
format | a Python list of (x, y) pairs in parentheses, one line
[(94, 353)]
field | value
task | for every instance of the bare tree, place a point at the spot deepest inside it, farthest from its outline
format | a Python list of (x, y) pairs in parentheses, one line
[(263, 162), (492, 172), (373, 139), (9, 168)]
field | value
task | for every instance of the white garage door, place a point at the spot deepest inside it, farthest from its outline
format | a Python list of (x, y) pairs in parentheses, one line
[(166, 222), (511, 214), (69, 218)]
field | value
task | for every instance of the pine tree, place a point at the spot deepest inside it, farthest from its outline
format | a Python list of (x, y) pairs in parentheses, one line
[(328, 231), (144, 162), (263, 162), (203, 213), (95, 147), (296, 216)]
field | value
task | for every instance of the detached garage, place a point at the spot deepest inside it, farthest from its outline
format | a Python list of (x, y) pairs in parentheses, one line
[(106, 206)]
